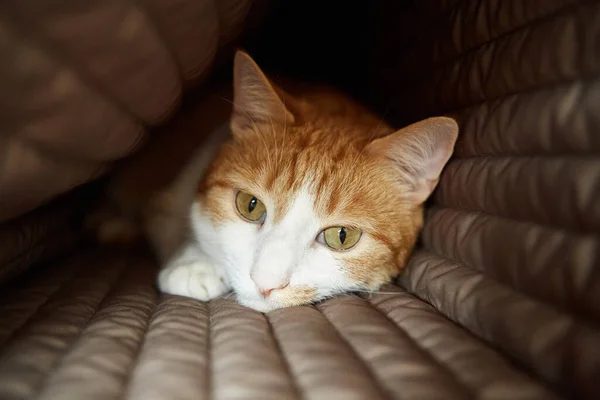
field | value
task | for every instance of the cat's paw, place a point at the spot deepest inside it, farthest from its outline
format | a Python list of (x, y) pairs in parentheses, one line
[(197, 280)]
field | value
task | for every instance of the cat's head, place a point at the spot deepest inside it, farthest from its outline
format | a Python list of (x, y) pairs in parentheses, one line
[(300, 206)]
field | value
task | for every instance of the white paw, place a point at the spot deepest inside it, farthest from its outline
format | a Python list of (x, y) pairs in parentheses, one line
[(197, 280)]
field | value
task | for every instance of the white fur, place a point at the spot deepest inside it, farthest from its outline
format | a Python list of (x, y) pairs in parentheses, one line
[(192, 274), (250, 257)]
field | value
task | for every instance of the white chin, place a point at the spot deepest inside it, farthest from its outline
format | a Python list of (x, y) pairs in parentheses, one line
[(261, 305)]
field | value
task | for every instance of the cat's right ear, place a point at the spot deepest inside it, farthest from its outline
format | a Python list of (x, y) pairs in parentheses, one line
[(417, 154), (254, 97)]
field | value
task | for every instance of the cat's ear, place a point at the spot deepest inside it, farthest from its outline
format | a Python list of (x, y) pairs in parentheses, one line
[(418, 153), (254, 97)]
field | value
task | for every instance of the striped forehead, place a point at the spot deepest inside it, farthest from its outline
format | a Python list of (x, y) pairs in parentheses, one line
[(322, 163), (319, 180), (314, 194)]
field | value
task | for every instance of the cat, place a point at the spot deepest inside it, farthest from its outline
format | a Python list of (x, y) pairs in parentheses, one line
[(294, 196)]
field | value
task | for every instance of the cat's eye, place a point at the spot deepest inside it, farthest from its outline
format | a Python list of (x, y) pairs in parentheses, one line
[(340, 237), (250, 207)]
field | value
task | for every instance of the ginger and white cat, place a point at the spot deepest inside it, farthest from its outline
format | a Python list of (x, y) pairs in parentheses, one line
[(296, 197)]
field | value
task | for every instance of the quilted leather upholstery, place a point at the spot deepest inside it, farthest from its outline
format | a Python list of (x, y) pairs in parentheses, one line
[(45, 233), (511, 242), (501, 302), (81, 82), (93, 327)]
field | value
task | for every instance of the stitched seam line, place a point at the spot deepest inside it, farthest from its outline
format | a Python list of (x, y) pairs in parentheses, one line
[(10, 270), (438, 207), (137, 143), (534, 23), (501, 100), (210, 386), (54, 227), (85, 160), (566, 232), (284, 360), (369, 372), (480, 211), (523, 372), (430, 355), (575, 319), (157, 29), (527, 362), (136, 357), (592, 155), (70, 276), (36, 38), (74, 340), (529, 90)]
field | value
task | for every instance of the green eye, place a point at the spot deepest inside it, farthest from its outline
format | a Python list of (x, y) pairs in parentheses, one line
[(250, 207), (340, 237)]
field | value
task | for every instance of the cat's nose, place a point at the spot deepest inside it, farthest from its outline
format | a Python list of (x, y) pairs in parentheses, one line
[(267, 292)]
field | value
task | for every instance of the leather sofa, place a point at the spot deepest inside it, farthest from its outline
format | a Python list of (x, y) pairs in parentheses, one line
[(501, 300)]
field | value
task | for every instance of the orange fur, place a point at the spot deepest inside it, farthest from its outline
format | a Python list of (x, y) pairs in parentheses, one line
[(320, 146)]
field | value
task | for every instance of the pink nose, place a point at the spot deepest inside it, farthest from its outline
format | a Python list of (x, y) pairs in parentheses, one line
[(267, 292)]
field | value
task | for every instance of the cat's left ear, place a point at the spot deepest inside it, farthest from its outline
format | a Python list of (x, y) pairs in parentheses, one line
[(418, 153), (255, 99)]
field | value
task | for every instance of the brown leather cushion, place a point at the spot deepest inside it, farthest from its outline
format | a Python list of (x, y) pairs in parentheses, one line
[(82, 81), (43, 234), (94, 327), (501, 302), (511, 243)]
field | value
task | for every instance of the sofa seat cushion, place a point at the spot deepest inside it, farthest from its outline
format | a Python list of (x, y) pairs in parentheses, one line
[(93, 326)]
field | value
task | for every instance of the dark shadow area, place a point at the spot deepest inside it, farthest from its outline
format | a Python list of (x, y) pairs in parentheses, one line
[(317, 41)]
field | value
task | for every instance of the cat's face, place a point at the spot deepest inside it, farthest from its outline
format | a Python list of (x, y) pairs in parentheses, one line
[(308, 219), (299, 211)]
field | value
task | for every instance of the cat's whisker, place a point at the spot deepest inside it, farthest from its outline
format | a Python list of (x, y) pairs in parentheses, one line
[(229, 295), (274, 132), (355, 291), (377, 292), (284, 125)]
